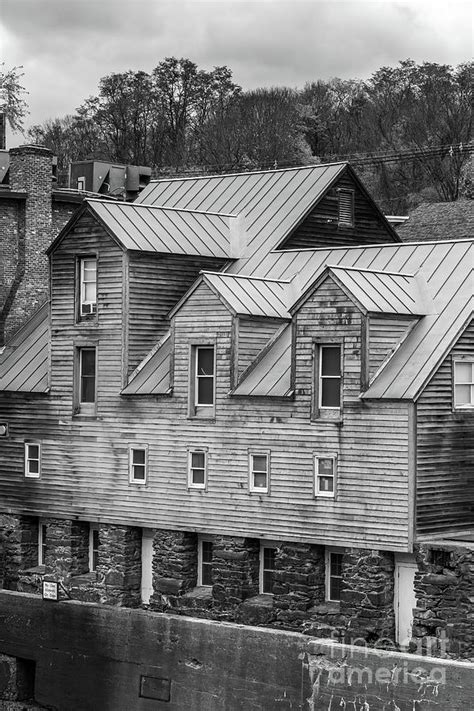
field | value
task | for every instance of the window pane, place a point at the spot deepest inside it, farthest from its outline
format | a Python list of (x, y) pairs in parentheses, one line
[(330, 360), (463, 394), (206, 551), (325, 466), (90, 290), (330, 392), (269, 558), (267, 581), (88, 361), (336, 563), (326, 483), (197, 460), (88, 389), (33, 451), (139, 472), (205, 361), (335, 588), (259, 462), (205, 391), (33, 466), (463, 372), (198, 476), (138, 456), (260, 480)]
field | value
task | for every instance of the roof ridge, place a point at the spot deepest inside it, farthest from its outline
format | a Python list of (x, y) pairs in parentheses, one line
[(370, 271), (374, 245), (162, 207), (247, 172), (204, 272)]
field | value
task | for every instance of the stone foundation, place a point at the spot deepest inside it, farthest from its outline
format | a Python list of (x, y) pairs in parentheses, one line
[(444, 616), (444, 583)]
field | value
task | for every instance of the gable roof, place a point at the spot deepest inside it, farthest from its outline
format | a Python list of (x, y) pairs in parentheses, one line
[(270, 374), (439, 221), (447, 269), (272, 202), (152, 377), (24, 362), (384, 292), (163, 230)]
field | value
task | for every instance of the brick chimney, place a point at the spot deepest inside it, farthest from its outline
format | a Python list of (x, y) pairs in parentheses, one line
[(25, 235)]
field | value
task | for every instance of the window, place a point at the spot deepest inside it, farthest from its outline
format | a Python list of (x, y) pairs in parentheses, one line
[(346, 208), (204, 376), (32, 459), (88, 286), (87, 376), (333, 575), (259, 472), (205, 547), (197, 468), (138, 465), (463, 384), (325, 476), (42, 544), (81, 183), (330, 376), (93, 547), (267, 568)]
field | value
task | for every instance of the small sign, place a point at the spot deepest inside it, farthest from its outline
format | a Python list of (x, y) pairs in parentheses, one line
[(50, 590), (3, 429)]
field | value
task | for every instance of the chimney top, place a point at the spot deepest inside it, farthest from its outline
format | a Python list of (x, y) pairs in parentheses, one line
[(27, 149)]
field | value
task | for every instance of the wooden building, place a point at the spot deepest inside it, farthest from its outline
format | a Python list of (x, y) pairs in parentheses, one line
[(246, 399)]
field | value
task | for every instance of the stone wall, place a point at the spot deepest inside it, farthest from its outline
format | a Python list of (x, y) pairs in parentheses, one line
[(444, 615)]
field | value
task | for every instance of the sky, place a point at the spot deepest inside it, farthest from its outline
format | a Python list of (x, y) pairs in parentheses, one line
[(66, 46)]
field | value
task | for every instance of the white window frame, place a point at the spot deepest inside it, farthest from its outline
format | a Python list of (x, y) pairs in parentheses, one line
[(81, 182), (28, 459), (252, 471), (191, 451), (93, 527), (263, 545), (131, 464), (201, 540), (456, 383), (86, 404), (322, 377), (318, 492), (91, 309), (328, 570), (351, 194), (41, 541), (196, 376)]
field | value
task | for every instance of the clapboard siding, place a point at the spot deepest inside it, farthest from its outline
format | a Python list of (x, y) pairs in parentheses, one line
[(85, 462), (253, 335), (156, 283), (385, 334), (320, 227), (445, 451)]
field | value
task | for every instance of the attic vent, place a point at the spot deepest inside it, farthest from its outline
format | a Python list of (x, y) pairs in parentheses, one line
[(346, 208)]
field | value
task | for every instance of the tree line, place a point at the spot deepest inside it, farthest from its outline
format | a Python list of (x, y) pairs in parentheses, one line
[(407, 129)]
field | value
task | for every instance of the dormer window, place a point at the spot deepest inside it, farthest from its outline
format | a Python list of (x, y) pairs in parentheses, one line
[(203, 381), (88, 286), (330, 376), (346, 208), (463, 384)]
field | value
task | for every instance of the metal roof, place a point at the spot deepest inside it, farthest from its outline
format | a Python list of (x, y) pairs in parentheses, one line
[(272, 202), (167, 230), (447, 269), (153, 375), (251, 296), (385, 292), (270, 375), (24, 362)]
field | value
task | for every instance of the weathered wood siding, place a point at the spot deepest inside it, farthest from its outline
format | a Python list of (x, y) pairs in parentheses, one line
[(156, 283), (320, 228), (85, 460), (253, 335), (445, 452), (385, 333)]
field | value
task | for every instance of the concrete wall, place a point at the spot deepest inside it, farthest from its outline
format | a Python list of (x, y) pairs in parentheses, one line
[(91, 657)]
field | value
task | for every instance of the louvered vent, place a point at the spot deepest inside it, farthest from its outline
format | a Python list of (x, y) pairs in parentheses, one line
[(346, 207)]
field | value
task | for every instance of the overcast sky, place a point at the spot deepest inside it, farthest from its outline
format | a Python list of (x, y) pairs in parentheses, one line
[(66, 46)]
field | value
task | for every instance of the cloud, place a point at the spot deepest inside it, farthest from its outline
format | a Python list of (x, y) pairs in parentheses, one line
[(65, 46)]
